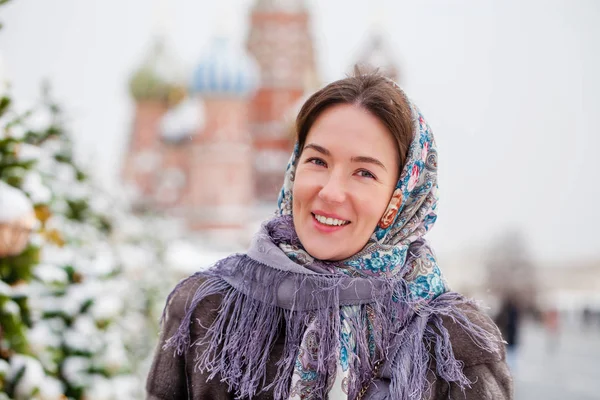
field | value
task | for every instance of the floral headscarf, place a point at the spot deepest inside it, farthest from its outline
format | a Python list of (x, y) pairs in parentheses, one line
[(396, 249), (410, 214)]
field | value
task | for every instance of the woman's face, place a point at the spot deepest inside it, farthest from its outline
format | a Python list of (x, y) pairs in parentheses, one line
[(344, 180)]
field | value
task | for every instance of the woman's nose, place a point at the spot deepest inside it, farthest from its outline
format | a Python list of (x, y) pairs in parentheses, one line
[(333, 191)]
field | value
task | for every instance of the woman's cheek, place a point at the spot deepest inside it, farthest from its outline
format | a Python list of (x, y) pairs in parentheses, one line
[(306, 182), (372, 208), (315, 178)]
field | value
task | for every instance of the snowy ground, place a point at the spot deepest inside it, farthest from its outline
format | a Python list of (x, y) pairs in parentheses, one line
[(571, 371)]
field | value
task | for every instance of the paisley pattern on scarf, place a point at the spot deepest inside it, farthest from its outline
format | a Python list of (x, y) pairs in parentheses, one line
[(409, 216)]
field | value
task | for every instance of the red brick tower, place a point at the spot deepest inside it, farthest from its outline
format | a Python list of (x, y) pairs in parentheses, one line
[(178, 128), (280, 41), (221, 175), (154, 87)]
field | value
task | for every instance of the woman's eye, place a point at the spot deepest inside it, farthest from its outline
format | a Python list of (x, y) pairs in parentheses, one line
[(366, 174), (316, 161)]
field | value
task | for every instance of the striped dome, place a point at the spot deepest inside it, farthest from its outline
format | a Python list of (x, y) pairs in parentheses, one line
[(225, 70)]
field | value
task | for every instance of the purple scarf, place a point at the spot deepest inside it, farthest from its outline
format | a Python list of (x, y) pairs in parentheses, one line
[(263, 288)]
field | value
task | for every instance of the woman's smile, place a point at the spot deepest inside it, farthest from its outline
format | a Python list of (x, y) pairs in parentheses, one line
[(328, 223)]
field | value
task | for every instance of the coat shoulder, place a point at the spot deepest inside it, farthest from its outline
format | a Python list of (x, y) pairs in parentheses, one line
[(181, 296), (464, 346), (486, 369), (181, 300)]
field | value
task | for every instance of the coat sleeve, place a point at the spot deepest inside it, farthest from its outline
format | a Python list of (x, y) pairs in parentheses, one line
[(173, 376), (490, 381), (488, 372), (167, 377)]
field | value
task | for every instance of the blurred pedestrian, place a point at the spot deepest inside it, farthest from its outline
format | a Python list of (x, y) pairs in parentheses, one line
[(339, 296), (551, 323), (587, 317), (509, 321)]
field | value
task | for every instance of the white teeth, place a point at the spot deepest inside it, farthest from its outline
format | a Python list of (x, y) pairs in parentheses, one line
[(330, 221)]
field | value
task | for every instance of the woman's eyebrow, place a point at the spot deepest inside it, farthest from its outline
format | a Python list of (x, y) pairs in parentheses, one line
[(370, 160), (318, 148), (359, 159)]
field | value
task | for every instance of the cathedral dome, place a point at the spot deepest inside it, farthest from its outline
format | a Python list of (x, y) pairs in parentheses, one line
[(225, 70), (159, 77)]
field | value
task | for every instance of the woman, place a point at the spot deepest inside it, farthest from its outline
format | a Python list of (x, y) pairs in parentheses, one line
[(339, 295)]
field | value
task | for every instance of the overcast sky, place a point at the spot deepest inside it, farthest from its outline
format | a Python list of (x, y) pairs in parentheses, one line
[(510, 87)]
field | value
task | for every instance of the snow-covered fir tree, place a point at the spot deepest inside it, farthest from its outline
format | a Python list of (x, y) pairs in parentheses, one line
[(60, 296), (82, 279)]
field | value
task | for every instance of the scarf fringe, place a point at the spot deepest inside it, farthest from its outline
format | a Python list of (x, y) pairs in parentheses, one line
[(426, 336), (238, 344)]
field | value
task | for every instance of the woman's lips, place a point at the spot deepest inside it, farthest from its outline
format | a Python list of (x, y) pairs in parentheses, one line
[(327, 228)]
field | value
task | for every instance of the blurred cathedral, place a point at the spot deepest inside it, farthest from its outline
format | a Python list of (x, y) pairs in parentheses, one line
[(212, 149)]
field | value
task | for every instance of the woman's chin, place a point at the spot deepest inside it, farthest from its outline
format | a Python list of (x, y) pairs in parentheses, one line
[(324, 253)]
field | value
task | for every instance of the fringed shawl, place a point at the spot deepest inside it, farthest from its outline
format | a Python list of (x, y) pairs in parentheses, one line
[(264, 292)]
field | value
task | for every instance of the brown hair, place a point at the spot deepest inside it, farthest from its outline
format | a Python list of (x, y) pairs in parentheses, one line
[(372, 92)]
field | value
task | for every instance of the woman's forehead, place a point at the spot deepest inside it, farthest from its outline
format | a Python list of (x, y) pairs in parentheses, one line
[(347, 128)]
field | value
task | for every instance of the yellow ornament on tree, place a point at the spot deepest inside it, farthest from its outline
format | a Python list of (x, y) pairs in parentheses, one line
[(42, 213)]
